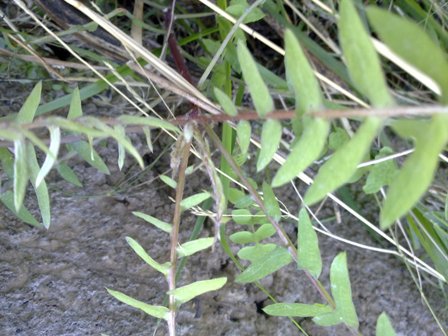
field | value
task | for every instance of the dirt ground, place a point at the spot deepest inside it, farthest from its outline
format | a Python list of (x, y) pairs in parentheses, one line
[(53, 282)]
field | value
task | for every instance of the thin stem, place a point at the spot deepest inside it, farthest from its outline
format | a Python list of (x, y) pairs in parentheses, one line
[(184, 155)]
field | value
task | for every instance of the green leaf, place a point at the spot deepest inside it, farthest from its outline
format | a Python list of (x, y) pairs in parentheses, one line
[(301, 77), (337, 138), (43, 199), (23, 214), (270, 139), (160, 312), (243, 135), (417, 172), (264, 231), (225, 102), (7, 162), (264, 265), (168, 181), (147, 121), (361, 58), (147, 132), (308, 253), (340, 288), (121, 151), (408, 40), (343, 164), (154, 221), (194, 200), (381, 174), (254, 252), (68, 174), (28, 110), (271, 203), (242, 216), (296, 309), (383, 326), (86, 152), (50, 159), (20, 173), (242, 237), (75, 110), (139, 250), (238, 7), (258, 90), (188, 292), (194, 246), (304, 152)]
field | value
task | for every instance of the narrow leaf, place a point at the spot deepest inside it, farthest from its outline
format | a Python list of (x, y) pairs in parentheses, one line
[(225, 102), (121, 151), (194, 200), (75, 110), (270, 139), (86, 153), (188, 292), (50, 159), (160, 312), (68, 174), (343, 164), (270, 202), (361, 58), (139, 250), (304, 152), (296, 309), (265, 265), (383, 326), (194, 246), (23, 214), (28, 110), (308, 253), (154, 221), (258, 90), (168, 181), (20, 173), (243, 135)]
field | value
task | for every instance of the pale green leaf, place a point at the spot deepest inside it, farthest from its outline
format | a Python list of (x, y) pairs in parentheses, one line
[(361, 58), (242, 216), (264, 231), (194, 200), (147, 121), (20, 173), (383, 326), (417, 172), (238, 7), (43, 198), (243, 136), (140, 251), (254, 252), (304, 152), (188, 292), (270, 139), (225, 102), (194, 246), (264, 265), (147, 132), (381, 174), (166, 227), (28, 110), (258, 90), (121, 151), (50, 159), (168, 181), (337, 138), (296, 309), (86, 152), (270, 202), (409, 40), (68, 174), (75, 110), (342, 293), (343, 164), (160, 312), (23, 214), (308, 253), (242, 237)]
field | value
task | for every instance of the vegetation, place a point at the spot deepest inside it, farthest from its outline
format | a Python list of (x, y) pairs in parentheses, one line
[(377, 123)]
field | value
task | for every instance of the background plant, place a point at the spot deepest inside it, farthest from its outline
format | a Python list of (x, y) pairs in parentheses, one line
[(257, 207)]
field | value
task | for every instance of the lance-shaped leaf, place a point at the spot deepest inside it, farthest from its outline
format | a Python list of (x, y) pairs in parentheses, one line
[(121, 151), (381, 174), (408, 40), (75, 110), (383, 326), (296, 309), (23, 214), (188, 292), (343, 164), (140, 251), (342, 293), (50, 159), (225, 102), (417, 172), (84, 151), (68, 174), (20, 172), (147, 121), (258, 90), (264, 265), (361, 58), (194, 246), (243, 135), (160, 312), (194, 200), (28, 110), (271, 134), (270, 202), (43, 199), (168, 181), (308, 253), (154, 221)]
